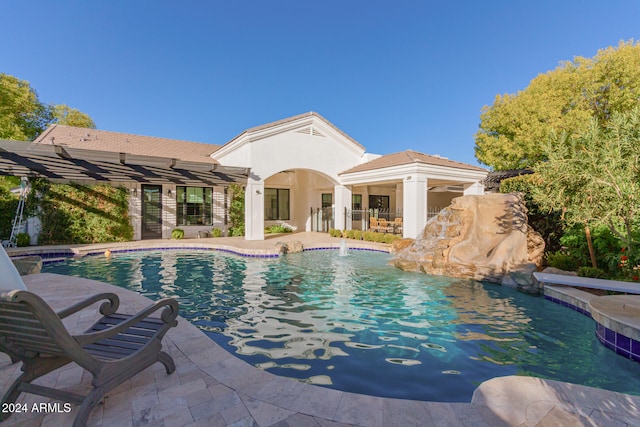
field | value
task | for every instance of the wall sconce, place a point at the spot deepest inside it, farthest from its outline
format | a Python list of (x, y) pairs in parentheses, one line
[(258, 192), (409, 178), (169, 192), (134, 191)]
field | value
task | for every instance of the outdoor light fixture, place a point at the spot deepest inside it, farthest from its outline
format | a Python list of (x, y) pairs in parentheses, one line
[(169, 192), (134, 191), (258, 192)]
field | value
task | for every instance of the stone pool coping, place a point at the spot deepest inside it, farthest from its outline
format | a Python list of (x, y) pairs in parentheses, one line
[(617, 317), (211, 387), (267, 248)]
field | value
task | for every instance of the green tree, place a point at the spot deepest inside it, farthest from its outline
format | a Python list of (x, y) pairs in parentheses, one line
[(514, 129), (22, 115), (64, 115), (594, 178)]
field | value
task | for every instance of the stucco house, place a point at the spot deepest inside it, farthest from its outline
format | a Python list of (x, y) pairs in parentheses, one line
[(294, 167)]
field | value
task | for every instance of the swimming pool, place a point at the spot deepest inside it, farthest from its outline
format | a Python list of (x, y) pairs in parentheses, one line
[(355, 324)]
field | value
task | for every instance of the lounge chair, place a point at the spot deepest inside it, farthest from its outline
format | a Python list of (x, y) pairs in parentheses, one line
[(373, 224), (115, 348)]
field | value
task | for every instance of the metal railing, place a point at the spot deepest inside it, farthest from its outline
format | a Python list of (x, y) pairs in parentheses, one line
[(323, 219)]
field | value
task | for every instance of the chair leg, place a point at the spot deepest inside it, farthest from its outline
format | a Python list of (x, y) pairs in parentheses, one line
[(14, 391), (167, 361), (84, 410)]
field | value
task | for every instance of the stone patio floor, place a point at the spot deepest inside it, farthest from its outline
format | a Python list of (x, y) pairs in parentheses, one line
[(211, 387)]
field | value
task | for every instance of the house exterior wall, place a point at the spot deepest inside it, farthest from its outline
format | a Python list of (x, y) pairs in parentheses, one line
[(307, 156), (308, 145)]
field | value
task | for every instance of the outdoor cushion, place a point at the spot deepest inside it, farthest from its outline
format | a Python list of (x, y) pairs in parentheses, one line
[(9, 277)]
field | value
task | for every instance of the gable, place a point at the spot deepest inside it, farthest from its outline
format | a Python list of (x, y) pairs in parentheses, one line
[(311, 124)]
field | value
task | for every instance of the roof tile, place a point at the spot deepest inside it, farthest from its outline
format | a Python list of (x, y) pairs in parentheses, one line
[(407, 157), (102, 140)]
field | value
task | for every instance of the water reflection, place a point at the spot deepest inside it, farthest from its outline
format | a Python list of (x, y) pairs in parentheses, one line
[(356, 324)]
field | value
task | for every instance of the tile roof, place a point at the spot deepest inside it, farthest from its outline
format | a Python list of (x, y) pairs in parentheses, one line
[(408, 157), (93, 139)]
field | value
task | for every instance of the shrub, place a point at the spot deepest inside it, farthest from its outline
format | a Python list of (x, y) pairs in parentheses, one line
[(368, 236), (350, 234), (378, 237), (389, 238), (23, 239), (596, 273), (177, 233), (8, 205), (562, 261), (357, 234), (216, 232), (237, 231), (334, 232), (81, 214), (236, 210)]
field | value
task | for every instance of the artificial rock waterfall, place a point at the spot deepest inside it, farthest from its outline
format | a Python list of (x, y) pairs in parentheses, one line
[(477, 237)]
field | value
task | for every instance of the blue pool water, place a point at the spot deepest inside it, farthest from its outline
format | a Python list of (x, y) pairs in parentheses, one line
[(356, 324)]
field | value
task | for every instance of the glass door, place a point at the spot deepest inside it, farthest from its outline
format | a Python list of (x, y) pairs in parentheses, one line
[(151, 212)]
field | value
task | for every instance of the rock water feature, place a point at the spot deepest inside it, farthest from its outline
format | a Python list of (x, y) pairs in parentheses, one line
[(477, 237)]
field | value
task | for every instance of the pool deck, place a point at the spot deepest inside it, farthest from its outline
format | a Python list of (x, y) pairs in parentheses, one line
[(211, 387)]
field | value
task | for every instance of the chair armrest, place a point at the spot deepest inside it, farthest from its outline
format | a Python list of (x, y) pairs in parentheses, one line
[(168, 316), (108, 307)]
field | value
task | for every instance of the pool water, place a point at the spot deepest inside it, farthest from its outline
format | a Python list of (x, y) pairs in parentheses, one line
[(355, 324)]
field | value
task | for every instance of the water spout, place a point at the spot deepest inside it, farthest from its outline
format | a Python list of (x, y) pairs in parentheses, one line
[(343, 248)]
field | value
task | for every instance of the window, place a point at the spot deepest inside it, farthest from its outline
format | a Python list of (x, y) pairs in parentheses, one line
[(379, 202), (194, 205), (356, 207), (327, 200), (356, 201), (276, 204)]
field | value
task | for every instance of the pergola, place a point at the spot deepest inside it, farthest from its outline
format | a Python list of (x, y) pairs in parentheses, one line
[(64, 165)]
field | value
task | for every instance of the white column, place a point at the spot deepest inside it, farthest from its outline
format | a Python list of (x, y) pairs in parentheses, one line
[(254, 210), (399, 196), (342, 196), (474, 189), (414, 205)]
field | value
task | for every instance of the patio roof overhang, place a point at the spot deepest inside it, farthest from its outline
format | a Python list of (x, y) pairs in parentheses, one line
[(64, 164)]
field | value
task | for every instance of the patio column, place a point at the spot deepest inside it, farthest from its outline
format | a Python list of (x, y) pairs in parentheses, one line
[(254, 210), (414, 205), (342, 200)]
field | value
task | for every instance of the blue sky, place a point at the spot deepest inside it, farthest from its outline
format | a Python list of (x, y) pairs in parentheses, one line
[(392, 75)]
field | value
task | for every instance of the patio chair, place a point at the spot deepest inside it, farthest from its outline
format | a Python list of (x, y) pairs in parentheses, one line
[(397, 225), (383, 225), (114, 349), (373, 224)]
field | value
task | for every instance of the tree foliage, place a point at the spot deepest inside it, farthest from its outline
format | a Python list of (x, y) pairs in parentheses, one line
[(515, 128), (22, 115), (594, 178), (64, 115)]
